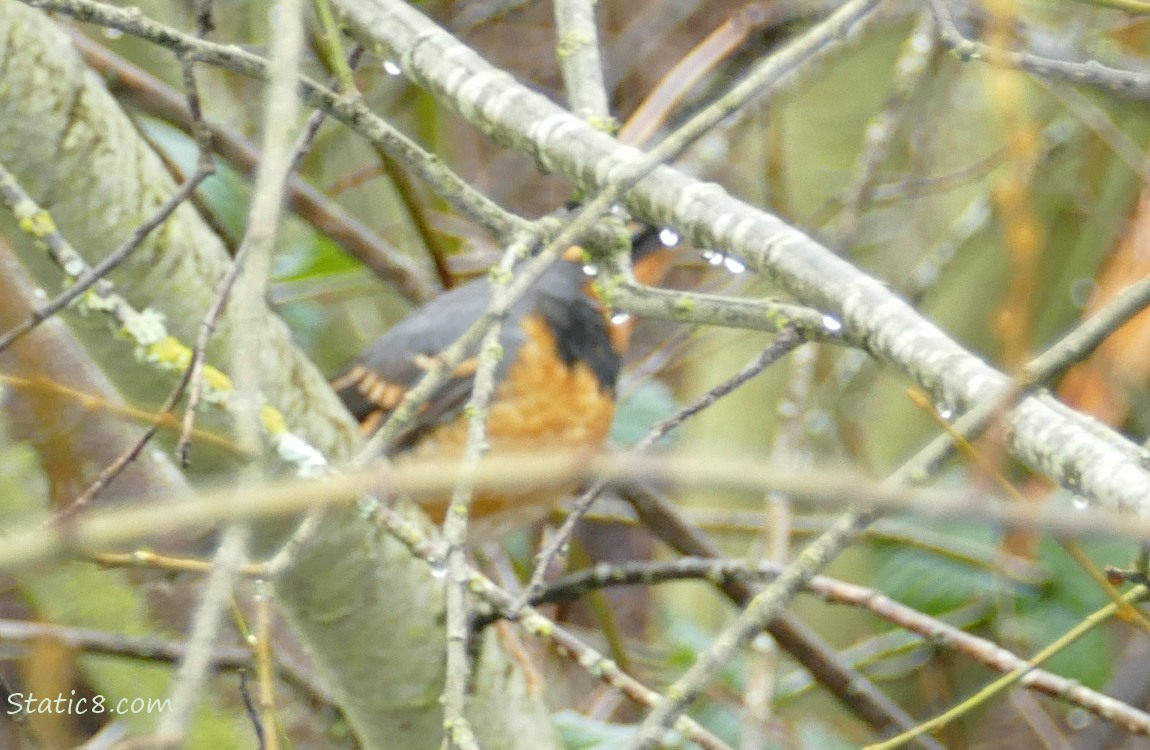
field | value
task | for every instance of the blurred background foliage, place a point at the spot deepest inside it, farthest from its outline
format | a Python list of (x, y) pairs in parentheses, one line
[(933, 215)]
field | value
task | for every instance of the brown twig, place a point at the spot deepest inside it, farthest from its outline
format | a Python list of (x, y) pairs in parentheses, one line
[(834, 591), (537, 625), (154, 97), (786, 341), (718, 46)]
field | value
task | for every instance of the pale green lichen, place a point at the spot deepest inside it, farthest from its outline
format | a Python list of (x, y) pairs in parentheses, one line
[(145, 327), (148, 331), (308, 461), (34, 220), (604, 291), (571, 43), (683, 309), (368, 506), (495, 351), (499, 275), (169, 353), (97, 301), (534, 623), (74, 266), (608, 125)]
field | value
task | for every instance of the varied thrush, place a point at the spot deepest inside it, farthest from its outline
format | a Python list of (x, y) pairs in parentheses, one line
[(555, 384)]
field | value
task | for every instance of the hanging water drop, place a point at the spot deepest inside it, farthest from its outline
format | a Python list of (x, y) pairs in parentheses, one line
[(818, 422), (392, 68), (734, 265), (1082, 292), (832, 324), (669, 237)]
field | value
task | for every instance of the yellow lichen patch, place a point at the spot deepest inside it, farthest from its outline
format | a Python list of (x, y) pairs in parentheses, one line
[(170, 351), (273, 420), (38, 223), (217, 379)]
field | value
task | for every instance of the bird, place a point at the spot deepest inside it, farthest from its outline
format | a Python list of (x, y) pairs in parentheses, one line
[(555, 383)]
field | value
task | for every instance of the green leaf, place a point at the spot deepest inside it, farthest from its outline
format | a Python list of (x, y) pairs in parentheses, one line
[(637, 412), (226, 192), (928, 581)]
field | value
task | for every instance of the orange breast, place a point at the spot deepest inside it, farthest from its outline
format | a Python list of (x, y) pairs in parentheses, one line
[(542, 404)]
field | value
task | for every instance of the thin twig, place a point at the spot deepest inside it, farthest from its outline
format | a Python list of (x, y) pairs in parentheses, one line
[(264, 670), (1091, 72), (697, 308), (839, 677), (833, 591), (455, 524), (541, 627), (1023, 672), (121, 462), (251, 267), (252, 710), (580, 63), (159, 650), (910, 73), (1098, 120), (766, 605), (774, 72), (195, 667), (251, 271), (695, 65), (143, 558), (782, 345), (205, 166), (824, 488), (348, 110), (154, 97), (110, 262), (787, 451)]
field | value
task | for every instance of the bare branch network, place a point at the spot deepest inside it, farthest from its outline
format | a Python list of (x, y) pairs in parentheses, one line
[(366, 608)]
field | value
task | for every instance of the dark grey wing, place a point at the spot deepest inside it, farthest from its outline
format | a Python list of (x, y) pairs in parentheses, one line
[(373, 385)]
